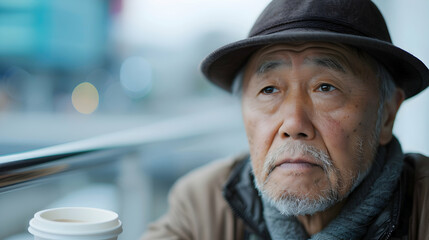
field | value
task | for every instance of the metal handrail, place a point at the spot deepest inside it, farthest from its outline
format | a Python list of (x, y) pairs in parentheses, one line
[(29, 166)]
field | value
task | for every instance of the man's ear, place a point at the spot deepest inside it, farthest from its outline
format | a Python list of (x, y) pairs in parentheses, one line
[(390, 109)]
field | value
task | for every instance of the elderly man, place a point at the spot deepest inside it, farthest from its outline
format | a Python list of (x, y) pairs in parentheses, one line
[(320, 86)]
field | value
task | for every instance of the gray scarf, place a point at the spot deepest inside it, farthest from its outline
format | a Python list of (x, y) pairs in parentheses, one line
[(363, 204)]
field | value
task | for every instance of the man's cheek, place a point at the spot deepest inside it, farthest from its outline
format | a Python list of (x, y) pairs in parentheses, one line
[(258, 149), (259, 143), (334, 135), (257, 133), (341, 140)]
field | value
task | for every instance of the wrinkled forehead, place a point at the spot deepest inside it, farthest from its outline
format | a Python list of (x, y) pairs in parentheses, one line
[(333, 56)]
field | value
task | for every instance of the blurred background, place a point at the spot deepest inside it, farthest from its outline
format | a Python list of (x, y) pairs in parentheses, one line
[(75, 69)]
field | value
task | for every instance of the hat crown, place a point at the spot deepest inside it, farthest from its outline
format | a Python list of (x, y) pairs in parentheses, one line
[(357, 17)]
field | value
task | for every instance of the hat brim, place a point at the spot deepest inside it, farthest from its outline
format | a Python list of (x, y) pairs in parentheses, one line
[(409, 73)]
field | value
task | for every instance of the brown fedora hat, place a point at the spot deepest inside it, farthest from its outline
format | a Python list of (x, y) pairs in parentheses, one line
[(357, 23)]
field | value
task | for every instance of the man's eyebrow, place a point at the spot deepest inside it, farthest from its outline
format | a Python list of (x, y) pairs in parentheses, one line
[(269, 65), (327, 62)]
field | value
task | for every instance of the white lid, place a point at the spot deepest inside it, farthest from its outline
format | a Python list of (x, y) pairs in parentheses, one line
[(75, 222)]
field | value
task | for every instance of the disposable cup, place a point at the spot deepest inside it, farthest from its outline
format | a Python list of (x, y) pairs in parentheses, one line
[(75, 223)]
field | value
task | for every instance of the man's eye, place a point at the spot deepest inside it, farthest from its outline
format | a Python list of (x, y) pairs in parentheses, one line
[(326, 87), (269, 90)]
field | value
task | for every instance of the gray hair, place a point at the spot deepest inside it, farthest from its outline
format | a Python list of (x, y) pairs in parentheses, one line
[(386, 88), (237, 84), (387, 85)]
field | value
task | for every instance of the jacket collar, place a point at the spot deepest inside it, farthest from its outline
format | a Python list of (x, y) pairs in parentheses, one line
[(243, 198)]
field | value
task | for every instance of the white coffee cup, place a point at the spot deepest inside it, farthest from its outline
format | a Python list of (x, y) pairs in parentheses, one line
[(75, 223)]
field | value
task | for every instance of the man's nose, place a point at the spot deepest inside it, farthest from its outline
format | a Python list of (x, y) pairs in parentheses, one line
[(296, 122)]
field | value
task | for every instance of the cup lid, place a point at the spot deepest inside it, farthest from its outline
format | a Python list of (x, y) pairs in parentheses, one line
[(75, 221)]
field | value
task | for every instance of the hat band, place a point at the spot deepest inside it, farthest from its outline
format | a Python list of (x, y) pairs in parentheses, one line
[(320, 24)]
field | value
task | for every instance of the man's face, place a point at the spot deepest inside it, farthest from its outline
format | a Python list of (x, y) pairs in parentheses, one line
[(310, 113)]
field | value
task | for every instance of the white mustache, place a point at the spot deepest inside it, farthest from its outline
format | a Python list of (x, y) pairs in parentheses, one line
[(297, 149)]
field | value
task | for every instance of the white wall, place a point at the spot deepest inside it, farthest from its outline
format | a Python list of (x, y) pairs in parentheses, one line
[(408, 22)]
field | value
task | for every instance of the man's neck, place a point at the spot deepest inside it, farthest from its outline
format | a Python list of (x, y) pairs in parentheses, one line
[(316, 222)]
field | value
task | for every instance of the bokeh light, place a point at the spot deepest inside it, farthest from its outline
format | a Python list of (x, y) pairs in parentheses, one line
[(136, 76), (85, 98)]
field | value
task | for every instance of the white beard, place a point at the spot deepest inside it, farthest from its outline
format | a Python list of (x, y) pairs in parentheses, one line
[(288, 203)]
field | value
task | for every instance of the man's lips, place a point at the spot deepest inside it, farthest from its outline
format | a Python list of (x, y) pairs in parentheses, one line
[(296, 164), (296, 161)]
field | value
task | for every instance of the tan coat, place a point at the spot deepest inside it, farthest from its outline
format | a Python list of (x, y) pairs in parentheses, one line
[(199, 211)]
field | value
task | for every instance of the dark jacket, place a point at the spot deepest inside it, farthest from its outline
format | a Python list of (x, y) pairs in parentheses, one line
[(219, 201)]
